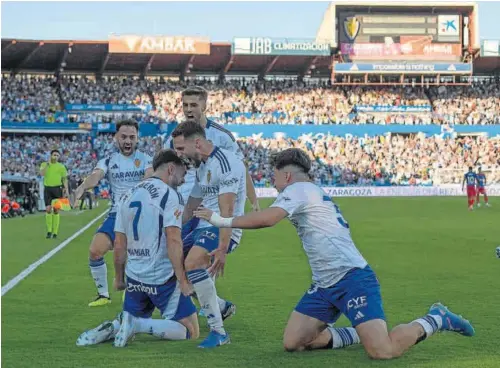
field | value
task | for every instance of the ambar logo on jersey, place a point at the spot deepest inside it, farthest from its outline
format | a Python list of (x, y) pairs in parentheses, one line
[(159, 45)]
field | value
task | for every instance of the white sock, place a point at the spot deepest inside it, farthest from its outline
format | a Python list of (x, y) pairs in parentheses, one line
[(116, 327), (430, 323), (222, 304), (207, 296), (162, 328), (342, 337), (99, 273)]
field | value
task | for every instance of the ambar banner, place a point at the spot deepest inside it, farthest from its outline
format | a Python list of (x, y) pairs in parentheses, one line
[(159, 45), (279, 46)]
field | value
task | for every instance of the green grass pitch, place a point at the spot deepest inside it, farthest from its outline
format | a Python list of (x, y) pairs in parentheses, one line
[(422, 249)]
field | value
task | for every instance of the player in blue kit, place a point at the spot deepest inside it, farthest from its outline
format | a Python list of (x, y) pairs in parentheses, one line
[(470, 178), (123, 169), (149, 261), (481, 188), (220, 184), (343, 282)]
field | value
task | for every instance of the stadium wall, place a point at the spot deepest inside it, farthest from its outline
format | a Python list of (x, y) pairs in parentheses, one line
[(444, 190), (262, 130)]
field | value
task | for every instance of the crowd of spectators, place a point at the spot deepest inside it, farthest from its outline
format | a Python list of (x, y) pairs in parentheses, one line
[(337, 161), (37, 98), (398, 160)]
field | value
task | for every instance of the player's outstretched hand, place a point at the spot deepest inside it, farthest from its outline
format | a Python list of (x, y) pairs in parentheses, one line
[(78, 195), (219, 261), (119, 285), (256, 206), (203, 213), (186, 288)]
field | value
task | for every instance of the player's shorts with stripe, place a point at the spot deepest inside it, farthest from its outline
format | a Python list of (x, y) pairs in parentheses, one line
[(471, 191), (108, 227), (208, 238), (481, 190), (141, 300), (356, 295), (51, 193)]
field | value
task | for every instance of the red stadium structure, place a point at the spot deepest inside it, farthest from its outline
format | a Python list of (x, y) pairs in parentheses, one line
[(188, 56)]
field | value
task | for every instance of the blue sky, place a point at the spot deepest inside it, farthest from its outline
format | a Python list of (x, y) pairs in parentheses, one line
[(221, 21)]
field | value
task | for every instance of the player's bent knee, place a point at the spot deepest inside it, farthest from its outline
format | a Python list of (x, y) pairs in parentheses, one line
[(196, 259), (292, 344), (99, 246), (380, 353), (191, 323)]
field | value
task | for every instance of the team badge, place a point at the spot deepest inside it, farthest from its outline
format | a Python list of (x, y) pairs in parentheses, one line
[(137, 162), (177, 214), (209, 176), (351, 27)]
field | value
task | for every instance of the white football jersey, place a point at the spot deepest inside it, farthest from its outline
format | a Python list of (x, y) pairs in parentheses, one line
[(124, 172), (324, 233), (220, 137), (223, 172), (143, 215)]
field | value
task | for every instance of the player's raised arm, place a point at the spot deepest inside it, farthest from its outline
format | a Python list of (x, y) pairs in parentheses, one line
[(255, 220), (92, 180)]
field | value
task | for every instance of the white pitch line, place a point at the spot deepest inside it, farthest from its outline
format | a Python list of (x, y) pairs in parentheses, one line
[(25, 273)]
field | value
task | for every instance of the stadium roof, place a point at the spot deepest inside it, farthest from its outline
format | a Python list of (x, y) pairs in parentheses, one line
[(93, 57)]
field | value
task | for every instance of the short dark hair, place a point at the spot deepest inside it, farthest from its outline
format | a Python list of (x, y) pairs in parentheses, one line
[(55, 150), (189, 129), (165, 156), (196, 91), (292, 156), (127, 122), (470, 168)]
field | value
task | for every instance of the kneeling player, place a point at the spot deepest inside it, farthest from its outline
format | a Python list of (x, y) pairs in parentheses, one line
[(343, 282), (148, 238)]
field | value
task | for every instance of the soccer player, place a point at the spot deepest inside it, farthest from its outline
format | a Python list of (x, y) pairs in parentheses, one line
[(220, 184), (124, 169), (194, 105), (149, 261), (481, 187), (470, 178), (343, 282), (55, 177)]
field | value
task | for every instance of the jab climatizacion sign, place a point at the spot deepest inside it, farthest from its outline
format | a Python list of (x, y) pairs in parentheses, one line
[(279, 46)]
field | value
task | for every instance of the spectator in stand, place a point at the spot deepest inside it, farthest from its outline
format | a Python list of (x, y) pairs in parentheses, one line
[(247, 101)]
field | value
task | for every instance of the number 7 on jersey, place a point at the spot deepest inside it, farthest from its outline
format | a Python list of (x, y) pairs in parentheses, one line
[(135, 223)]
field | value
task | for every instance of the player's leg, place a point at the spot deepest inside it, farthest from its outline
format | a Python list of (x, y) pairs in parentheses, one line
[(307, 327), (104, 332), (101, 244), (47, 197), (227, 308), (362, 305), (478, 192), (140, 301), (196, 264)]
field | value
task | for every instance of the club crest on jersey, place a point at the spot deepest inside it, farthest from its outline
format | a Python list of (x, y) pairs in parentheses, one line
[(177, 214), (351, 27), (137, 162), (209, 176)]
